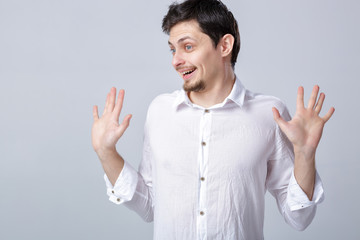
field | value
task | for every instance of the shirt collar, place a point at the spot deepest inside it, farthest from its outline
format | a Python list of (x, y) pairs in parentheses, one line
[(237, 95), (182, 98)]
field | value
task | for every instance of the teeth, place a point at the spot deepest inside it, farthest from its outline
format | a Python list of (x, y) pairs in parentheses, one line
[(187, 72)]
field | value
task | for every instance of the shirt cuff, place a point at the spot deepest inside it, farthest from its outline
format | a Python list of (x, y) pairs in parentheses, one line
[(124, 187), (297, 198)]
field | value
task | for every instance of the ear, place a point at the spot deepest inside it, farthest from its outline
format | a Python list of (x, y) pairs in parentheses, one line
[(226, 44)]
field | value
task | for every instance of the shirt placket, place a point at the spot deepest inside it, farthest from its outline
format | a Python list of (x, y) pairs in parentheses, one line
[(204, 143)]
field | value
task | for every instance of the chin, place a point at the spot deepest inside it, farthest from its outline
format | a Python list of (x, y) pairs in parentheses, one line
[(194, 87)]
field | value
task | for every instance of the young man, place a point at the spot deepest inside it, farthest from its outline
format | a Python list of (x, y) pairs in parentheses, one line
[(212, 149)]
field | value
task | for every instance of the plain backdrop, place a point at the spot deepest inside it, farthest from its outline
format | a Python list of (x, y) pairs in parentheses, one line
[(58, 58)]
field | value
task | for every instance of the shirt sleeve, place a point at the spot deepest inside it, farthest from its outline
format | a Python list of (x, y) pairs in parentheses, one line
[(297, 210), (124, 187), (297, 198)]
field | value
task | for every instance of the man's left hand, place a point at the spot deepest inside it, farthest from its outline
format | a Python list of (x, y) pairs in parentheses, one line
[(305, 128)]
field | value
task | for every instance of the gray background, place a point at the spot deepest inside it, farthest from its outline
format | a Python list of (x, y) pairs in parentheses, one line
[(59, 58)]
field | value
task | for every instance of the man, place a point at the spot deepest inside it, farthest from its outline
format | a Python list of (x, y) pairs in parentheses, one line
[(212, 149)]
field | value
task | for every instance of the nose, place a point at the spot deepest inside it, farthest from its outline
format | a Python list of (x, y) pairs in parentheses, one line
[(177, 60)]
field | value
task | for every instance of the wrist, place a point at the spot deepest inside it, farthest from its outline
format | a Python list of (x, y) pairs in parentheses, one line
[(106, 153), (305, 153)]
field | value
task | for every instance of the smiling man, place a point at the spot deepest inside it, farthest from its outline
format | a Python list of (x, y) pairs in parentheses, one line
[(205, 68), (213, 149)]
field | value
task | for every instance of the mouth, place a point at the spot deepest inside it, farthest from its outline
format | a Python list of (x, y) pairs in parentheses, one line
[(188, 73)]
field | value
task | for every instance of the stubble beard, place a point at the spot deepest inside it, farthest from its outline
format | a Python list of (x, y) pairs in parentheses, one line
[(195, 87)]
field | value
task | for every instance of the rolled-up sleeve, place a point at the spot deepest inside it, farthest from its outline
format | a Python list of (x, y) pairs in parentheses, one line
[(124, 187), (297, 198)]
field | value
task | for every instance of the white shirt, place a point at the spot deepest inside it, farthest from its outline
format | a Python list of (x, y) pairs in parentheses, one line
[(205, 172)]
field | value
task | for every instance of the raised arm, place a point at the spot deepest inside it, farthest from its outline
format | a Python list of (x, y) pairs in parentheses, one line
[(304, 131), (106, 131)]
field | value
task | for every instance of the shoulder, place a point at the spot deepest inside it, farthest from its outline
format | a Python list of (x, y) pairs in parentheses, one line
[(163, 103), (259, 100), (262, 104), (165, 99)]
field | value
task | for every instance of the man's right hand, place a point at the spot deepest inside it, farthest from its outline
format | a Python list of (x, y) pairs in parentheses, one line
[(106, 131)]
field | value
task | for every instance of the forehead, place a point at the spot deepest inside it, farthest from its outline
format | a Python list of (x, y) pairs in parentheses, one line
[(187, 29)]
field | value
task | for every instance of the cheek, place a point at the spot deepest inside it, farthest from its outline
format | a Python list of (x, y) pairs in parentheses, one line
[(211, 61), (204, 60)]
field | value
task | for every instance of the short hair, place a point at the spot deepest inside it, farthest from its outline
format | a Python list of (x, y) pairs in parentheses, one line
[(214, 18)]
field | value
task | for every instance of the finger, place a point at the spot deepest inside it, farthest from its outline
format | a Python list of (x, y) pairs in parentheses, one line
[(329, 114), (95, 113), (313, 97), (119, 104), (319, 103), (106, 103), (124, 125), (278, 119), (112, 97), (300, 98)]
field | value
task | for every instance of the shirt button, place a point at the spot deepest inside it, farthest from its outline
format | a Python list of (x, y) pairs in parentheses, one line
[(207, 111), (202, 213), (203, 143), (202, 179), (118, 199), (113, 191)]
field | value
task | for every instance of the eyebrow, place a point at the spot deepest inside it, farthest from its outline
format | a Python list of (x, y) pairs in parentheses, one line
[(182, 39)]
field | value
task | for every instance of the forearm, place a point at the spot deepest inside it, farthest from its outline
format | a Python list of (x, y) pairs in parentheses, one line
[(112, 164), (133, 189), (304, 170)]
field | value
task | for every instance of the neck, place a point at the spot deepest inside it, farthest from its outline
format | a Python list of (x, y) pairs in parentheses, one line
[(216, 91)]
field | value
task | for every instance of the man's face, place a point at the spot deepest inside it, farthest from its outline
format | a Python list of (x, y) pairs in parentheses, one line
[(194, 56)]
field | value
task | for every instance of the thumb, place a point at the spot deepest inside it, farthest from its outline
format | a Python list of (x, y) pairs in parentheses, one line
[(123, 126), (278, 119)]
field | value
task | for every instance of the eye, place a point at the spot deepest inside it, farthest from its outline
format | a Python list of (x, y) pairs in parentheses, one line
[(172, 50), (188, 47)]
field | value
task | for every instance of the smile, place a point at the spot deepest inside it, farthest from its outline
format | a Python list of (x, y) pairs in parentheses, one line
[(188, 74)]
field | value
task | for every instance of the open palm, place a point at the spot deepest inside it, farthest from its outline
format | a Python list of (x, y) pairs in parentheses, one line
[(106, 131), (306, 127)]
